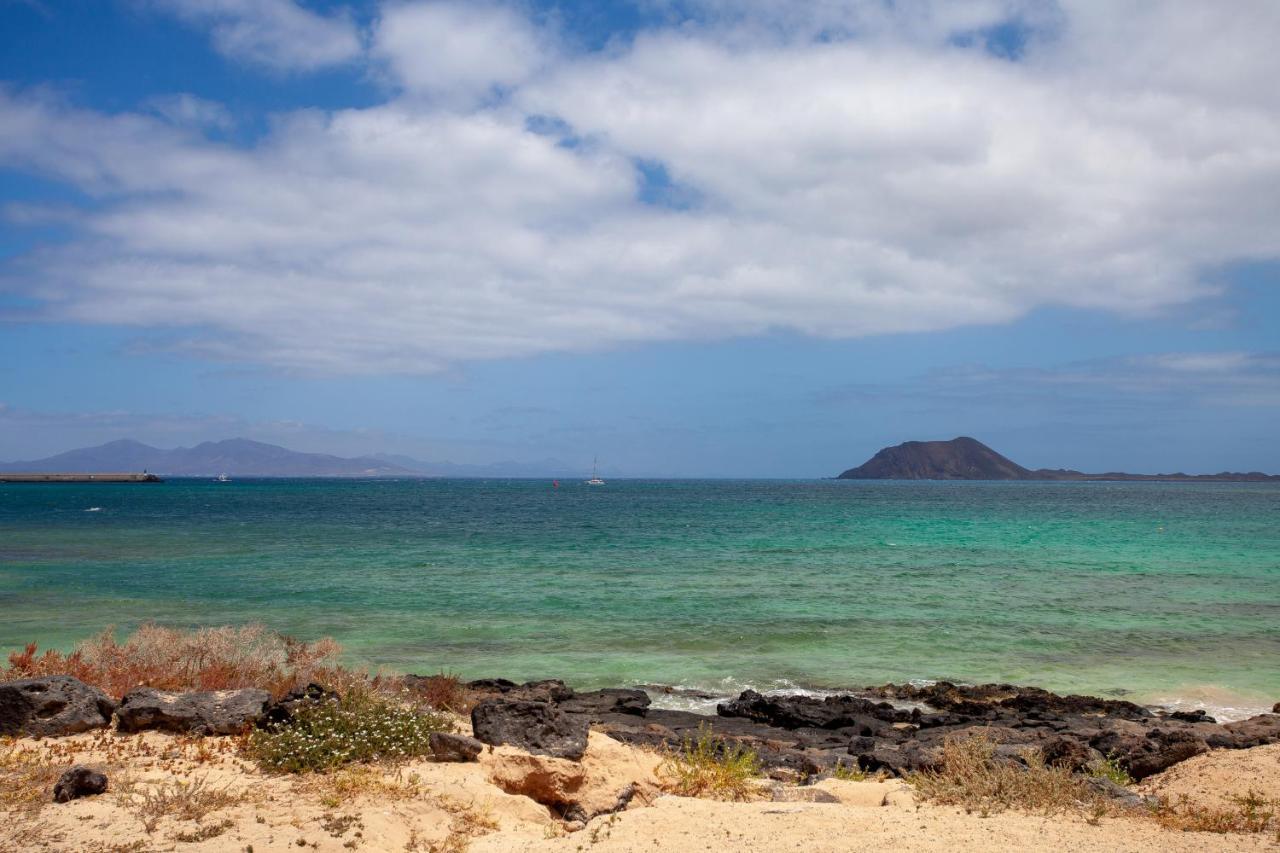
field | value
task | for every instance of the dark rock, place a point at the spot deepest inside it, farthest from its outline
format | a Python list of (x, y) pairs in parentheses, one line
[(1275, 709), (1112, 791), (207, 712), (538, 727), (446, 746), (51, 706), (284, 710), (1145, 756), (601, 702), (1196, 716), (792, 712), (79, 781), (979, 699), (493, 685), (547, 690), (1069, 753), (784, 794), (1255, 731)]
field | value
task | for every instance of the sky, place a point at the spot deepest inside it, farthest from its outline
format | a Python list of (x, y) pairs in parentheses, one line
[(730, 238)]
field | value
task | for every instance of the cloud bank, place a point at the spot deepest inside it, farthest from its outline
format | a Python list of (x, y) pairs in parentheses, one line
[(836, 169)]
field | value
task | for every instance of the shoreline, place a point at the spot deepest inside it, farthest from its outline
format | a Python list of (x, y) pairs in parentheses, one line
[(540, 766)]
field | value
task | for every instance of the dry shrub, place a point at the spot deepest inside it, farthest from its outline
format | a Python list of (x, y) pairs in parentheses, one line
[(174, 659), (709, 766), (971, 776), (179, 800), (444, 692), (1250, 813)]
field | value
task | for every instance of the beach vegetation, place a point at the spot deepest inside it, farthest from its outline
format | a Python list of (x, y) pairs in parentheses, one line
[(26, 778), (1250, 813), (706, 765), (180, 800), (971, 775), (220, 658), (443, 692), (1110, 768), (847, 772), (363, 726)]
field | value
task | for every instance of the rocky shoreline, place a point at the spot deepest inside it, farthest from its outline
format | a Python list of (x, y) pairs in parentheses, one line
[(554, 761), (890, 729)]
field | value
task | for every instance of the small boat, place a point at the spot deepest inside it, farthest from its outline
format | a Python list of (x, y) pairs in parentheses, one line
[(595, 478), (222, 478)]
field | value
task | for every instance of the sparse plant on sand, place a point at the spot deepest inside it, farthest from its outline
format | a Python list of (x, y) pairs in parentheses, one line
[(1252, 812), (710, 766), (26, 778), (178, 799), (972, 776), (363, 726)]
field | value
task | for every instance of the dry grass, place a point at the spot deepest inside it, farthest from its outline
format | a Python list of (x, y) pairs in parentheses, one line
[(971, 776), (708, 766), (1252, 813), (178, 800), (359, 782), (26, 779), (173, 659)]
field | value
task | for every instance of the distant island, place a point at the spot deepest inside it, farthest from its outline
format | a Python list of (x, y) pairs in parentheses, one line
[(242, 457), (967, 458)]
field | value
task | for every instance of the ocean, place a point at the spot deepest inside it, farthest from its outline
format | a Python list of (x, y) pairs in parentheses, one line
[(1162, 593)]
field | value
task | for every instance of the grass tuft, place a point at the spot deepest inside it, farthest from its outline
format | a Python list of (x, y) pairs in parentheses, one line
[(972, 777), (709, 766), (362, 727)]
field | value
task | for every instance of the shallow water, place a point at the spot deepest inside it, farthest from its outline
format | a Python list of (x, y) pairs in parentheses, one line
[(1163, 592)]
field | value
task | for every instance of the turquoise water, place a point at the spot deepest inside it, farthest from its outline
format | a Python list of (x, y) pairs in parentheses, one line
[(1165, 591)]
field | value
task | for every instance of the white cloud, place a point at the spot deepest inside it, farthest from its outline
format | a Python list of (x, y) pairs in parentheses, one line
[(458, 51), (886, 183), (187, 110), (278, 34)]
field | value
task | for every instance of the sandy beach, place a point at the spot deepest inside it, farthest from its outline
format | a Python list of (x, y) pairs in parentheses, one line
[(427, 805)]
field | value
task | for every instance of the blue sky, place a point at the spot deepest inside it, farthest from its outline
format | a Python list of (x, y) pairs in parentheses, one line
[(701, 238)]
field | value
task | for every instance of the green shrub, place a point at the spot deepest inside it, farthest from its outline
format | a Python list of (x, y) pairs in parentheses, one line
[(1109, 768), (848, 772), (359, 728), (708, 766)]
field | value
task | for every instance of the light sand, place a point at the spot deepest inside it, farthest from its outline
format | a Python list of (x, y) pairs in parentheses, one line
[(426, 806)]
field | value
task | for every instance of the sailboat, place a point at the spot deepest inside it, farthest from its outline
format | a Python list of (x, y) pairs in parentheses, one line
[(222, 478), (595, 478)]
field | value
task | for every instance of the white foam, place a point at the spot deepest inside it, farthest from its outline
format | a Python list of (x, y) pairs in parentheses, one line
[(94, 509)]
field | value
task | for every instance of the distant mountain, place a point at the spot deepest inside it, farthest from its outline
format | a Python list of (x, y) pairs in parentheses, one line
[(959, 459), (235, 457), (967, 458)]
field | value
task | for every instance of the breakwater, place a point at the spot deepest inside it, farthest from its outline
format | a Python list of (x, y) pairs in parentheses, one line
[(80, 478)]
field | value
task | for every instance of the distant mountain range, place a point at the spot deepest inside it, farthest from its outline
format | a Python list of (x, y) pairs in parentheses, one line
[(245, 458), (967, 458)]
